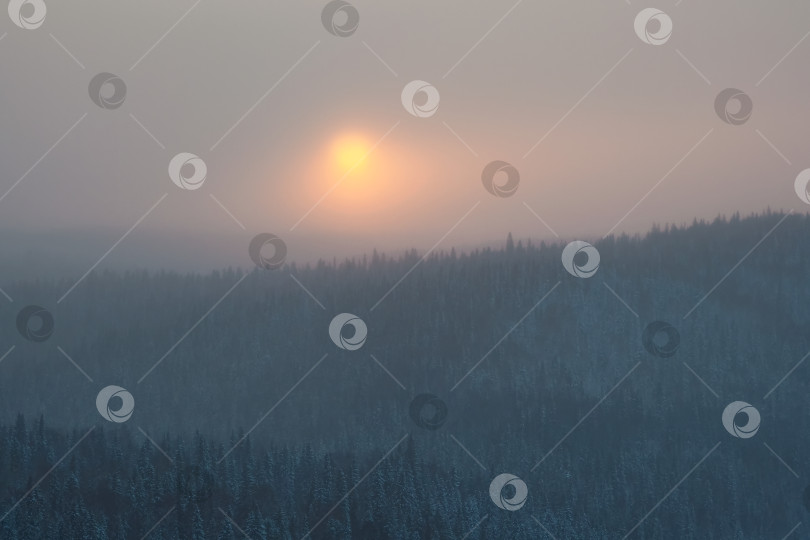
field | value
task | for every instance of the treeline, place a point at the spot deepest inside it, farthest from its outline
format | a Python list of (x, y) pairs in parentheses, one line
[(536, 369), (112, 486)]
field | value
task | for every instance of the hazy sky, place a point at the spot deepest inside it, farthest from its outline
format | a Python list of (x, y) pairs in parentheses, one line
[(615, 115)]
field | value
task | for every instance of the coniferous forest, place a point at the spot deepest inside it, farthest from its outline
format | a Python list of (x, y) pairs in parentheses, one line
[(250, 422)]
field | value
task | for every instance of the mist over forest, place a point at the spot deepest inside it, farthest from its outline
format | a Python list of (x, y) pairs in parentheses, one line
[(257, 414)]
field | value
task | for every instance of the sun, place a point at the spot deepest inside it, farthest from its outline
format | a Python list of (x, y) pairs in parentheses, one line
[(353, 182), (350, 153)]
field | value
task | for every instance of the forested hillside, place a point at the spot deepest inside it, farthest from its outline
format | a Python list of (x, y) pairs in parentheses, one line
[(535, 373)]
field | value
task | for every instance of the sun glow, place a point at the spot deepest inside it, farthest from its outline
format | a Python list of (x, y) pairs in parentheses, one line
[(352, 181), (360, 171), (351, 153)]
